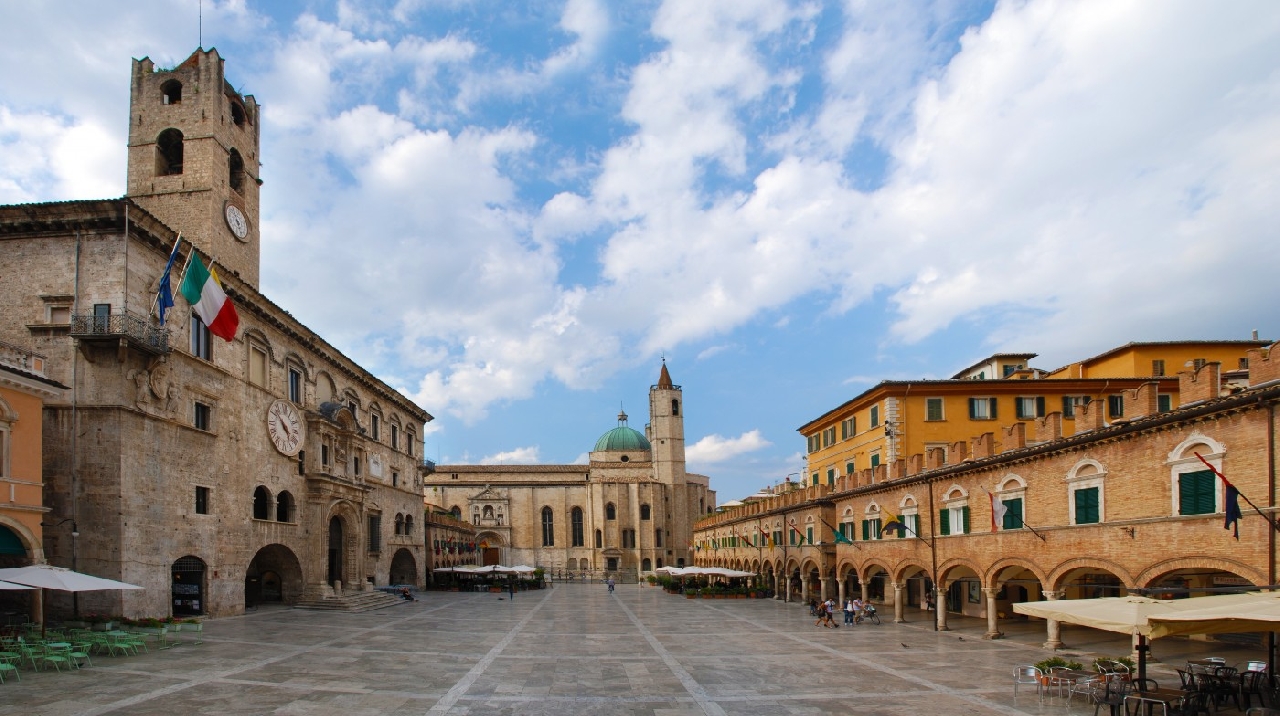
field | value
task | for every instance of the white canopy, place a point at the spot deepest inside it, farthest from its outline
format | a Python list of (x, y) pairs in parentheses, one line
[(11, 585), (49, 577), (487, 569), (707, 571)]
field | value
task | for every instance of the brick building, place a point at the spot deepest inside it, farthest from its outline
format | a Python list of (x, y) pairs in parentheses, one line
[(212, 473), (1027, 513)]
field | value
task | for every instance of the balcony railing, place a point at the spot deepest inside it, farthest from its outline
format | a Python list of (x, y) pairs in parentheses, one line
[(429, 466), (138, 331)]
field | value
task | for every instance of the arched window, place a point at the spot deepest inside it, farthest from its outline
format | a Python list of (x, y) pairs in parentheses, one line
[(456, 512), (675, 406), (610, 512), (575, 518), (599, 539), (237, 114), (171, 92), (646, 565), (548, 528), (408, 524), (261, 504), (399, 524), (235, 168), (284, 507), (169, 153), (644, 512)]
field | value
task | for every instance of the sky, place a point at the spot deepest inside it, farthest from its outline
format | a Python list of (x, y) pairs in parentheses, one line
[(514, 212)]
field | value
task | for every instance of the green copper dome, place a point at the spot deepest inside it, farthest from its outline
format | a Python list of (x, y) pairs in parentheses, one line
[(622, 438)]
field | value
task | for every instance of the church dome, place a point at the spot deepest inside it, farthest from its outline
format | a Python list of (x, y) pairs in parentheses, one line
[(622, 438)]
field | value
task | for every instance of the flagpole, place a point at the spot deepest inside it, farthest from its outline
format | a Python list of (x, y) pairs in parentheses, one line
[(1238, 492)]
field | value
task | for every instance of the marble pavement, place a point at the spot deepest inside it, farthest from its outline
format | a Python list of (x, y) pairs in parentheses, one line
[(571, 649)]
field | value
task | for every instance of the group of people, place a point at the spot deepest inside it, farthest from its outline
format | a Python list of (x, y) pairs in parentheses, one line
[(825, 612)]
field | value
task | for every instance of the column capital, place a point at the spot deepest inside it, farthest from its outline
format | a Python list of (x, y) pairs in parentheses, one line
[(1057, 594), (991, 592)]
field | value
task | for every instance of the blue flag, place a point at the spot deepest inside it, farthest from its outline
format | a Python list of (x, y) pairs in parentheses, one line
[(164, 297), (1233, 509)]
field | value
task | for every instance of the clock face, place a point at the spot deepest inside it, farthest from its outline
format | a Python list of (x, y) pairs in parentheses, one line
[(236, 221), (285, 426)]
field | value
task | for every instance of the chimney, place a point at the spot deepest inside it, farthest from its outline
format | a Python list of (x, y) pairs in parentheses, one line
[(1200, 384), (984, 446), (1141, 401), (1091, 416), (915, 464), (1263, 367), (935, 458), (1013, 437), (1049, 428)]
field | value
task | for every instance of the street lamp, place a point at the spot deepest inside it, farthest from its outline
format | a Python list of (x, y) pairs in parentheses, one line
[(75, 532)]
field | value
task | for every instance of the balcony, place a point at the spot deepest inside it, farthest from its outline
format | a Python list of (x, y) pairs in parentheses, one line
[(125, 330)]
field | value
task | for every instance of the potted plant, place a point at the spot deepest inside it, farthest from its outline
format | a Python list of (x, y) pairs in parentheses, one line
[(151, 625), (191, 625), (100, 622), (1052, 662)]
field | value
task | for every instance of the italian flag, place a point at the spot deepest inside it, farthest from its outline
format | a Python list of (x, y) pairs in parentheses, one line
[(202, 290)]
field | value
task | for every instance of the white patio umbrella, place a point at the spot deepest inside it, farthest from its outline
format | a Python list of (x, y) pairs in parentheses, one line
[(11, 585), (46, 576)]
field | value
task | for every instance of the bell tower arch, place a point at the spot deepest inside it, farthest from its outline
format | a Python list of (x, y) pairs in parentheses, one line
[(193, 158)]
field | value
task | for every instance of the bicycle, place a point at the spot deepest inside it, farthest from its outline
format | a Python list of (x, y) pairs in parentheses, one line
[(869, 615)]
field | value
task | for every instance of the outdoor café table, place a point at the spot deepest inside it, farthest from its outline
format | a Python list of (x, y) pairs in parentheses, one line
[(1165, 698), (1203, 666)]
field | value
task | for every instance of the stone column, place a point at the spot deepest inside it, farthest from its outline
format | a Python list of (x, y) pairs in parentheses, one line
[(1052, 627), (865, 596), (823, 591), (804, 590), (993, 623), (940, 604), (899, 604), (840, 589)]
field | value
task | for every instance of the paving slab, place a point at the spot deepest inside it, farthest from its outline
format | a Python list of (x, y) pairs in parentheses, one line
[(576, 649)]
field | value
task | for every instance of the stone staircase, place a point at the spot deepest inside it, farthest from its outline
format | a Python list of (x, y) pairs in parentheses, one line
[(349, 601)]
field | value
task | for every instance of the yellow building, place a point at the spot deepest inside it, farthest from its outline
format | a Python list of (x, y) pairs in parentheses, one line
[(876, 430)]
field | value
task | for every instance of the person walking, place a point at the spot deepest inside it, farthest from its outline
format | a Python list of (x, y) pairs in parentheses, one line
[(610, 583), (511, 589), (848, 612), (857, 610)]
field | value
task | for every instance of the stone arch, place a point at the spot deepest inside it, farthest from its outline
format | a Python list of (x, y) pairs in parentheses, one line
[(1149, 575), (169, 152), (171, 92), (1010, 482), (262, 503), (1086, 467), (956, 563), (1002, 565), (1056, 576), (1185, 448), (286, 509), (235, 171), (955, 492), (493, 539), (324, 388), (404, 568), (34, 548), (273, 575)]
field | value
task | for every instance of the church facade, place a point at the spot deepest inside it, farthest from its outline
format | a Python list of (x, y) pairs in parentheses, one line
[(630, 509), (213, 473)]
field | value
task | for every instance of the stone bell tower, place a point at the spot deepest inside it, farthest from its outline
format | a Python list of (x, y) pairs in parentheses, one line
[(666, 429), (193, 158)]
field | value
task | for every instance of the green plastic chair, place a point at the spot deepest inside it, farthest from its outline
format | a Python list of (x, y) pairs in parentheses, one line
[(56, 656), (6, 664)]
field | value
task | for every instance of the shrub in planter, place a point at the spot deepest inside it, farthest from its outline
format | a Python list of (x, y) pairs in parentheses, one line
[(1057, 661)]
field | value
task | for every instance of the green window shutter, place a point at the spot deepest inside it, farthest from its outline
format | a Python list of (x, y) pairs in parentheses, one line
[(973, 408), (944, 521), (866, 530), (876, 527), (831, 477), (848, 468), (1068, 407), (808, 534), (1013, 514), (1164, 403), (964, 516), (1087, 506), (814, 477), (993, 414), (1040, 407), (875, 460), (934, 408), (1195, 493)]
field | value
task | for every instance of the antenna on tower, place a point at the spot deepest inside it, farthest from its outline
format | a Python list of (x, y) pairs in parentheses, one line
[(200, 24)]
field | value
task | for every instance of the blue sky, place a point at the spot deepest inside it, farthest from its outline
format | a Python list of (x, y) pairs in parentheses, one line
[(527, 205)]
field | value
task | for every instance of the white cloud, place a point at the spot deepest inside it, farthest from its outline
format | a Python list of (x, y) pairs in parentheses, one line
[(714, 448), (517, 456)]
